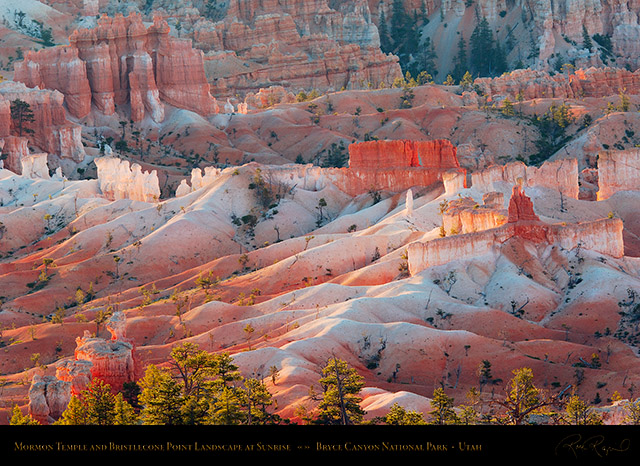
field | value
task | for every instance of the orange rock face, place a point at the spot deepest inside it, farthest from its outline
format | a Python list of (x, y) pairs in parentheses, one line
[(439, 154), (521, 207), (535, 84), (122, 62), (398, 165)]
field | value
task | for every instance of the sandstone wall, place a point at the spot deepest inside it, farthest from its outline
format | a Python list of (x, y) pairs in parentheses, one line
[(561, 175), (121, 62), (51, 131), (439, 154), (618, 171)]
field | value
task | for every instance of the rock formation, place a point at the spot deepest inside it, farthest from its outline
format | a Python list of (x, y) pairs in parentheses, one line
[(397, 165), (603, 236), (580, 83), (560, 175), (465, 215), (379, 155), (122, 62), (48, 398), (521, 207), (50, 130), (618, 171), (198, 180), (298, 45), (111, 361), (119, 180)]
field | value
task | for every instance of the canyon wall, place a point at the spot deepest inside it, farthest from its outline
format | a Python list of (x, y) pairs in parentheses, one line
[(122, 62), (537, 84), (438, 154), (49, 131), (560, 175), (603, 236), (618, 171), (298, 45)]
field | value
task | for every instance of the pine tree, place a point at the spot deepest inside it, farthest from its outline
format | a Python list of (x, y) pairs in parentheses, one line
[(258, 399), (586, 39), (123, 412), (99, 403), (399, 24), (399, 416), (161, 398), (383, 31), (337, 156), (487, 57), (75, 414), (227, 408), (21, 116), (523, 398), (340, 401), (460, 61), (579, 413), (442, 405), (19, 419), (467, 81)]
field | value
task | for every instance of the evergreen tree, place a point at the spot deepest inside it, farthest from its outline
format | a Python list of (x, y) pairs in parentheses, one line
[(383, 31), (467, 81), (75, 414), (586, 39), (399, 26), (579, 413), (123, 412), (399, 416), (193, 366), (19, 419), (337, 156), (442, 405), (507, 107), (21, 116), (99, 403), (487, 57), (258, 400), (227, 407), (161, 398), (523, 398), (552, 127), (460, 62), (340, 401)]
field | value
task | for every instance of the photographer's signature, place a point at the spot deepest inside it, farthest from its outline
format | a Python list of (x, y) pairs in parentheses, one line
[(596, 444)]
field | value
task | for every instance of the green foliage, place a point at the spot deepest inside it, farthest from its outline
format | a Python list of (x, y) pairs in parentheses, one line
[(19, 419), (487, 57), (586, 40), (523, 398), (97, 405), (340, 403), (336, 156), (552, 126), (399, 416), (202, 388), (579, 413), (507, 107), (460, 65), (21, 116), (442, 405)]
